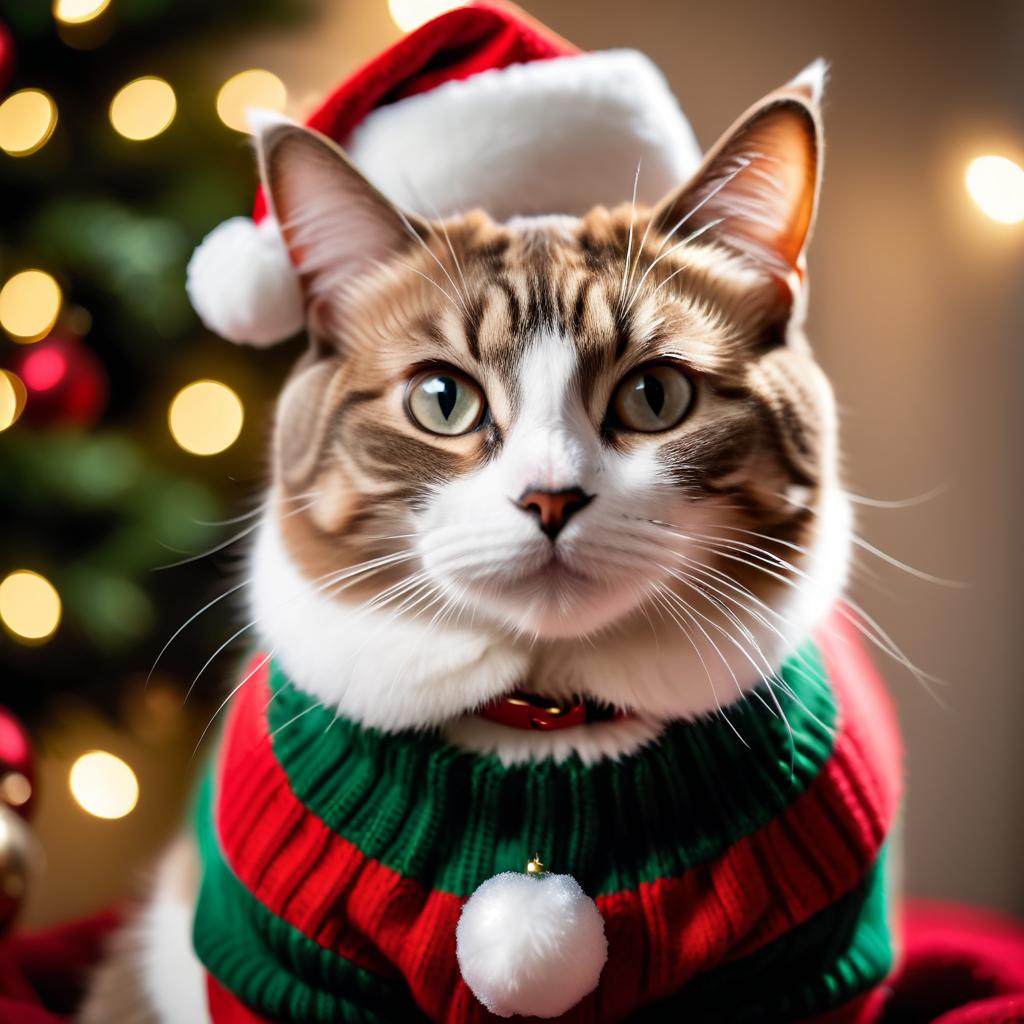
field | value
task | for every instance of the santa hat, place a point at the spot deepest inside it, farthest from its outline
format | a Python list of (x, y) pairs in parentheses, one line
[(480, 108)]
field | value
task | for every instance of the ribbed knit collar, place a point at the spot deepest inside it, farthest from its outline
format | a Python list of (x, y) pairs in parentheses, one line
[(451, 818)]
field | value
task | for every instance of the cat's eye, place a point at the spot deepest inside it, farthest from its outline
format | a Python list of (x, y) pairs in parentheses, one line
[(445, 402), (652, 398)]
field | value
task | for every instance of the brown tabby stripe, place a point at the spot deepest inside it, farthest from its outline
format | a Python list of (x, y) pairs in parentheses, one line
[(754, 431)]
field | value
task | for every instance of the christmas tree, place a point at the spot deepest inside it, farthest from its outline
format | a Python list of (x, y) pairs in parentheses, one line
[(120, 151)]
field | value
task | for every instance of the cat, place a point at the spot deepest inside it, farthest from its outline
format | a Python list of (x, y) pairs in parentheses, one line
[(590, 461)]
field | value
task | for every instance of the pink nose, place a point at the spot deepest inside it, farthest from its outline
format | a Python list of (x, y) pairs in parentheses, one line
[(554, 509)]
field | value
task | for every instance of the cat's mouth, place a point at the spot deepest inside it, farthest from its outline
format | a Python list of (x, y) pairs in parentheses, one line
[(555, 574), (521, 710)]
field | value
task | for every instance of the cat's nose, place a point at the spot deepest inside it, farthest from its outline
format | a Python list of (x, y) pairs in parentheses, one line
[(553, 509)]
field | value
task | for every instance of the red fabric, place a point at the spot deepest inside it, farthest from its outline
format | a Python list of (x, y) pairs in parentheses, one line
[(961, 966), (225, 1007), (724, 910), (42, 975), (454, 46)]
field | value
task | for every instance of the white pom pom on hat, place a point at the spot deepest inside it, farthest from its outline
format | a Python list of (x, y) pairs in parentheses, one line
[(241, 282), (530, 126), (530, 944)]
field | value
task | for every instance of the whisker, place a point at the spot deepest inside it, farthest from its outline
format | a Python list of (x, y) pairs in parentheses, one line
[(919, 499), (305, 711), (660, 592), (794, 652), (458, 307), (191, 619), (884, 556), (256, 511), (692, 237), (430, 252), (241, 535), (224, 703), (876, 635), (629, 244), (371, 567)]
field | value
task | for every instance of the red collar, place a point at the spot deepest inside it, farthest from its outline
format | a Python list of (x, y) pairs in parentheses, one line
[(521, 710)]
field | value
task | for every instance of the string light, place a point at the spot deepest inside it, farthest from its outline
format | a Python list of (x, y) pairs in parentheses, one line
[(76, 12), (246, 90), (143, 108), (205, 417), (30, 606), (997, 186), (27, 120), (12, 398), (410, 14), (104, 785), (29, 304)]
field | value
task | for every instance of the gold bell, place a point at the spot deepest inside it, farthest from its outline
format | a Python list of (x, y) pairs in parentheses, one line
[(535, 866)]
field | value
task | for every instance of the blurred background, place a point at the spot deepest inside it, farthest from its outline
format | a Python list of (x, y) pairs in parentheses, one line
[(131, 439)]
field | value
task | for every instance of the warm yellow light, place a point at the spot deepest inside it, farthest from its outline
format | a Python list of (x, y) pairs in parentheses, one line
[(29, 304), (104, 785), (27, 120), (410, 14), (29, 605), (997, 186), (143, 108), (206, 417), (12, 399), (75, 12), (248, 89)]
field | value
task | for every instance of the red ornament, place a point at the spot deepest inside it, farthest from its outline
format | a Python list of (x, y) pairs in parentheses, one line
[(17, 771), (64, 381), (6, 55)]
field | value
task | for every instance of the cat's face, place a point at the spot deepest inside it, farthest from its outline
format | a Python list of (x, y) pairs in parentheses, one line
[(559, 431)]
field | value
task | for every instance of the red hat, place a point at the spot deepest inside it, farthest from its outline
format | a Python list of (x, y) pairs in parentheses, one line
[(482, 107)]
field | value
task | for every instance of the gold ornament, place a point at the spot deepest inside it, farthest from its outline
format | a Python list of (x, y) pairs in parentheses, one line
[(535, 866)]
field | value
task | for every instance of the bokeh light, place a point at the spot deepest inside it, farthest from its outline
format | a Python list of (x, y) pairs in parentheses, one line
[(104, 785), (29, 304), (143, 108), (15, 789), (410, 14), (206, 417), (44, 369), (12, 398), (246, 90), (996, 185), (27, 120), (30, 606), (75, 12)]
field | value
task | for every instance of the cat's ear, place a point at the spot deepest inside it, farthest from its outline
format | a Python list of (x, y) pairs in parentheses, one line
[(335, 224), (756, 191)]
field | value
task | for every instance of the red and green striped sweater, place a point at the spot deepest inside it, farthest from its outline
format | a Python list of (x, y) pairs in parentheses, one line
[(737, 882)]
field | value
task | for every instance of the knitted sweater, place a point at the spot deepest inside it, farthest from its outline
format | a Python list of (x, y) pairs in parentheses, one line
[(737, 881)]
